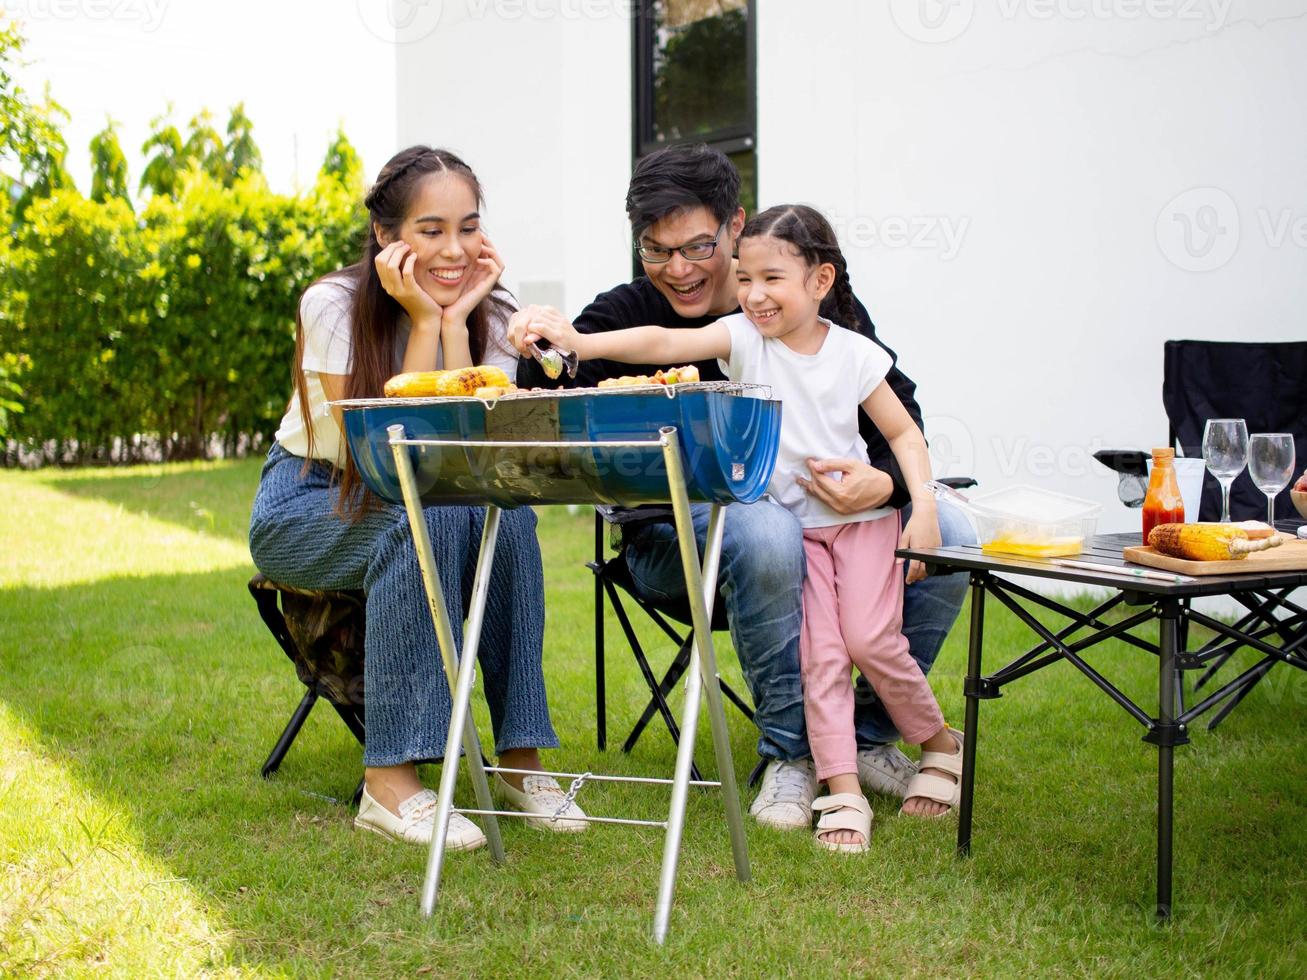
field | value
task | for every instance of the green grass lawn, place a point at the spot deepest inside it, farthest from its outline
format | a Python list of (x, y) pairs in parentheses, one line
[(141, 693)]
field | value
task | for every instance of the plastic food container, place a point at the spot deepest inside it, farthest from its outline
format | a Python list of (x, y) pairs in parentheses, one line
[(1033, 523)]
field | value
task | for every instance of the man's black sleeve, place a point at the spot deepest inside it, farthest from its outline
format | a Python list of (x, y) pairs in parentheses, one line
[(879, 453)]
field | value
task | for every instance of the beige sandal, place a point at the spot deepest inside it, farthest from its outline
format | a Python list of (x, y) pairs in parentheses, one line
[(929, 786), (843, 811)]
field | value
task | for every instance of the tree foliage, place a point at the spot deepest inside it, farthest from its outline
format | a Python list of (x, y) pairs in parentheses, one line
[(166, 334), (204, 148), (32, 149), (241, 152), (342, 163), (108, 165), (164, 157)]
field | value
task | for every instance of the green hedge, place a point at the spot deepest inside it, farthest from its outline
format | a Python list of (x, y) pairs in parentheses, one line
[(167, 334)]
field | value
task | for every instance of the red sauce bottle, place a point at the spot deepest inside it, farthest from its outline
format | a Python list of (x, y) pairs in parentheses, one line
[(1163, 504)]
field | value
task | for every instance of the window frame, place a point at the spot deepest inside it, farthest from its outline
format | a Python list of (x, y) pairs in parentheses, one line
[(730, 139)]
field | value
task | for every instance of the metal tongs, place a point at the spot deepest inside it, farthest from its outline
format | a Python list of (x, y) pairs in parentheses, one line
[(553, 360)]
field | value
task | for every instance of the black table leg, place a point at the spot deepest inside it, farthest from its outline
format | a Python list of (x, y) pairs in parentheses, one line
[(1167, 732), (973, 712), (601, 694)]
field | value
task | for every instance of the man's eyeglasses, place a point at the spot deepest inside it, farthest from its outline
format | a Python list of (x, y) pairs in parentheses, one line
[(694, 252)]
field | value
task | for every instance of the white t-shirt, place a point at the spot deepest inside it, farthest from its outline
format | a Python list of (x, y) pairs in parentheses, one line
[(325, 319), (822, 394)]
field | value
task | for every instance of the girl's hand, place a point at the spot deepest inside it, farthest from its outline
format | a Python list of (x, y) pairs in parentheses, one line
[(533, 323), (921, 531), (396, 267), (479, 284)]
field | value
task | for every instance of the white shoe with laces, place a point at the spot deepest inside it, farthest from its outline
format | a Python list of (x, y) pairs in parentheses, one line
[(416, 822), (785, 798), (884, 769), (543, 796)]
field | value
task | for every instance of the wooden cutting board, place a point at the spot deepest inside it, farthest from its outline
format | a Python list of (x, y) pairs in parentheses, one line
[(1291, 556)]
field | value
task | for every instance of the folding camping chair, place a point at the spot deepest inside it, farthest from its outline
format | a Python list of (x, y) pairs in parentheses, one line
[(613, 579), (322, 635)]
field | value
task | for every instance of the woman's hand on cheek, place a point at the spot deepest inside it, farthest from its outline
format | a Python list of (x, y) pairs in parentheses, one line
[(396, 266), (480, 282)]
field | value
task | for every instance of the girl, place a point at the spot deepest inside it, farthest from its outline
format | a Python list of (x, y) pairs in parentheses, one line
[(423, 296), (789, 269)]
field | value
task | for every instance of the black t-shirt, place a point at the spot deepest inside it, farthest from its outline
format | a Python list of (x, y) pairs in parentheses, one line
[(639, 303)]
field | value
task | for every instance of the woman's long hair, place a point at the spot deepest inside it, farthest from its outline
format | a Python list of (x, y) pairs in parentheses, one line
[(814, 239), (375, 313)]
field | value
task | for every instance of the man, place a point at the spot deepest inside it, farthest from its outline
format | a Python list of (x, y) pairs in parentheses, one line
[(683, 204)]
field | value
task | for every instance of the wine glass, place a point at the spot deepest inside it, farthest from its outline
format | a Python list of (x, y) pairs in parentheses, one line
[(1270, 464), (1225, 450)]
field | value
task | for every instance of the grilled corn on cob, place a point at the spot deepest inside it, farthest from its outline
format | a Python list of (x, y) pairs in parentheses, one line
[(414, 384), (463, 381), (1206, 542)]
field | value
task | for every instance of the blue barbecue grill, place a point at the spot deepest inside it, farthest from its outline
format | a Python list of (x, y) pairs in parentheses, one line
[(711, 442), (728, 440)]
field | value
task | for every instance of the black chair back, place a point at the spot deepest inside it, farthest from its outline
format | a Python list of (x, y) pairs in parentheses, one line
[(1262, 383)]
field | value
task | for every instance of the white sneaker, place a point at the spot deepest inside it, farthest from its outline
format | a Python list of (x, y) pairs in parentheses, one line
[(884, 769), (785, 799), (416, 822), (543, 795)]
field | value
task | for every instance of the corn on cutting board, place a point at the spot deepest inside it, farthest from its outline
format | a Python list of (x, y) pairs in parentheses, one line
[(1291, 556)]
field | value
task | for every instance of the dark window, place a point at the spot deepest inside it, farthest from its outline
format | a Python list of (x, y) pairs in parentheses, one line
[(694, 80)]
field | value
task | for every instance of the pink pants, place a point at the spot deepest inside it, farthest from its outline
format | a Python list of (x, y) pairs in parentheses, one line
[(853, 616)]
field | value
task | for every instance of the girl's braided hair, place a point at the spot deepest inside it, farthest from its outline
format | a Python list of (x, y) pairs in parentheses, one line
[(810, 234)]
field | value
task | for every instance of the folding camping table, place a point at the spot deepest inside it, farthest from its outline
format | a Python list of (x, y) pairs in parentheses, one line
[(1273, 626)]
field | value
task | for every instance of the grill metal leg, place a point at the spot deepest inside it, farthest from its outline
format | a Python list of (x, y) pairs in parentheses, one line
[(460, 672), (702, 679)]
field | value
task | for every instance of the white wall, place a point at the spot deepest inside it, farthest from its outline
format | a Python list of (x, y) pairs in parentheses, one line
[(536, 96), (1059, 141), (1012, 183)]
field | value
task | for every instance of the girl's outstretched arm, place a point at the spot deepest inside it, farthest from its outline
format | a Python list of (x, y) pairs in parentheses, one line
[(637, 345), (909, 448)]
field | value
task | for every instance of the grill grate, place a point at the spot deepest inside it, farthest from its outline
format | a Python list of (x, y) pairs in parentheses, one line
[(539, 394)]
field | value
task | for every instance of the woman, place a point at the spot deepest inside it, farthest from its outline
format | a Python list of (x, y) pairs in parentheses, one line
[(422, 297)]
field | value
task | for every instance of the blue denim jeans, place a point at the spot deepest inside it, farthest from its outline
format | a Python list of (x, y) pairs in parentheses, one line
[(297, 538), (761, 582)]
